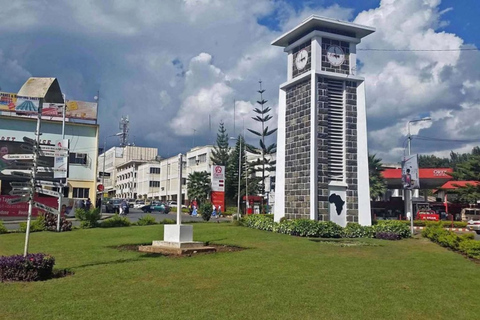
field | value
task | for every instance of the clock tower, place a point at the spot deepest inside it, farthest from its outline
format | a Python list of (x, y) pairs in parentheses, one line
[(322, 154)]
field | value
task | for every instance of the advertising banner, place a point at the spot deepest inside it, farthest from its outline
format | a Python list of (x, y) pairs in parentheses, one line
[(218, 178), (61, 163), (410, 176), (21, 209), (25, 106)]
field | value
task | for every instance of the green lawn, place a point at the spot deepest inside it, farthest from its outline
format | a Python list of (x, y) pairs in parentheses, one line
[(278, 277)]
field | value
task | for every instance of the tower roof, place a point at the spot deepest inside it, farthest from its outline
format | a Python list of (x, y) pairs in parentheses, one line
[(315, 22)]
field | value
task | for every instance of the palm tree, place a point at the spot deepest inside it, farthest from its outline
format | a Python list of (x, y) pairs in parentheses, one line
[(199, 186), (378, 185)]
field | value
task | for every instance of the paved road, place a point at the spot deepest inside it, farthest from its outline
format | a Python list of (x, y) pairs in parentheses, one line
[(133, 216)]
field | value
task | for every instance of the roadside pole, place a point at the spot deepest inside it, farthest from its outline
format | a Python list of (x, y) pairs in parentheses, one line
[(36, 148), (179, 194), (60, 189)]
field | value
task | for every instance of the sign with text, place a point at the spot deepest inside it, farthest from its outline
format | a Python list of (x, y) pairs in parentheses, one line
[(44, 207), (25, 106), (218, 178)]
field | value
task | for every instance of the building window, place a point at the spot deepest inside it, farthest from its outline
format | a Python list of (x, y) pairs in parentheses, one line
[(191, 161), (184, 181), (202, 158), (154, 184), (78, 158), (154, 170), (81, 192)]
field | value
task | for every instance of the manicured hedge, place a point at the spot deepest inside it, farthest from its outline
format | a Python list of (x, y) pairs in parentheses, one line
[(425, 223), (2, 228), (464, 243), (115, 221), (33, 267), (390, 230)]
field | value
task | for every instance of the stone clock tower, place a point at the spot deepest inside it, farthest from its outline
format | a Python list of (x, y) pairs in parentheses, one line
[(322, 155)]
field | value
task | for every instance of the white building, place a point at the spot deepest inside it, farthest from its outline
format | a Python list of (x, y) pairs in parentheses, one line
[(148, 180), (116, 157)]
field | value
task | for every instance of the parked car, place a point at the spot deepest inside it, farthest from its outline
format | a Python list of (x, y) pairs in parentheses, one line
[(139, 203), (472, 216), (113, 206), (156, 206), (174, 204)]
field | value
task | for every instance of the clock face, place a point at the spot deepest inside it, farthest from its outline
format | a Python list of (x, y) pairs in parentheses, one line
[(301, 59), (335, 56)]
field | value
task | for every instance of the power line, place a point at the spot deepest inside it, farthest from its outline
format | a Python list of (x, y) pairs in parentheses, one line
[(413, 50), (444, 140)]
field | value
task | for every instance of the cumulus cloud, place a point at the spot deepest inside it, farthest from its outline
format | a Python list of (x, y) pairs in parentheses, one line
[(176, 67)]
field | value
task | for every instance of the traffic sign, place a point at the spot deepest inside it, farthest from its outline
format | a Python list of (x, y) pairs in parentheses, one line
[(18, 174), (29, 141), (50, 183), (26, 147), (19, 192), (17, 200), (100, 187), (48, 192), (50, 169), (18, 156), (16, 184), (52, 153), (45, 207), (52, 148)]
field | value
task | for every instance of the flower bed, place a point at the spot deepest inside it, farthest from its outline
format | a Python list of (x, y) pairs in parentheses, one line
[(33, 267)]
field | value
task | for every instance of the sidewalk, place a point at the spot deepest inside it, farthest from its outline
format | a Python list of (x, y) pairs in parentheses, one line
[(13, 220)]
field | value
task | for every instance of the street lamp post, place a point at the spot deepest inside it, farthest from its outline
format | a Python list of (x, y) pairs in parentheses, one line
[(239, 174), (409, 191), (103, 169)]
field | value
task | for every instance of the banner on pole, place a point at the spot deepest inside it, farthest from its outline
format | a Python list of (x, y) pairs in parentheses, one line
[(410, 176)]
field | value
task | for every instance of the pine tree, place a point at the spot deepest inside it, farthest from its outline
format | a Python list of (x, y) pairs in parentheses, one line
[(264, 163), (220, 152)]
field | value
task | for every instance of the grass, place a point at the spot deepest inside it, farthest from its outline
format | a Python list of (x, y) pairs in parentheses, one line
[(278, 277)]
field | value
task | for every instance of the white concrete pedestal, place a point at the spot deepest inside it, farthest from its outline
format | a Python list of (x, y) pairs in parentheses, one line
[(178, 233)]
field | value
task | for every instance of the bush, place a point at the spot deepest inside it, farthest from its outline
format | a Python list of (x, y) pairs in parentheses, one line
[(354, 230), (36, 225), (449, 239), (146, 220), (168, 221), (392, 226), (115, 221), (2, 228), (33, 267), (391, 230), (426, 223), (88, 218), (51, 222), (206, 211)]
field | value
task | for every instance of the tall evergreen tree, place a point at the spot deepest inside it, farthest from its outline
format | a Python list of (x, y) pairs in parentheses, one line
[(220, 152), (264, 163)]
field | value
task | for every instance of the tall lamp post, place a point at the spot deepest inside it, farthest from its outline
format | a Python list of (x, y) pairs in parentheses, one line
[(103, 169), (409, 191)]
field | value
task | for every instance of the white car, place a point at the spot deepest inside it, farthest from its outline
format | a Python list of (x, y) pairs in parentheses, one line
[(474, 225), (138, 204), (174, 204)]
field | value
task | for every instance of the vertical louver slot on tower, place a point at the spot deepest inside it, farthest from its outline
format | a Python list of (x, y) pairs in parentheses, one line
[(336, 130)]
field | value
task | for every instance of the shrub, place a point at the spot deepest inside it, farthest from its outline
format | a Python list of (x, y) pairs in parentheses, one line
[(449, 239), (36, 225), (2, 228), (354, 230), (206, 211), (168, 221), (392, 226), (115, 221), (88, 218), (425, 223), (33, 267), (146, 220), (51, 222)]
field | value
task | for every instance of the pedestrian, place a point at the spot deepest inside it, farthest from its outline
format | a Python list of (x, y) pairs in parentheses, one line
[(88, 204), (98, 203), (194, 211), (214, 212), (124, 206), (219, 211)]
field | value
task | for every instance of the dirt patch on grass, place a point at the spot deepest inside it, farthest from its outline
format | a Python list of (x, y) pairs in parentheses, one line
[(218, 247)]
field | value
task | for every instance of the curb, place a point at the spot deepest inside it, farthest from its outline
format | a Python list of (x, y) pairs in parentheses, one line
[(450, 229)]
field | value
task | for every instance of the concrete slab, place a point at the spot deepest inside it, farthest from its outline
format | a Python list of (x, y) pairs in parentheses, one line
[(175, 251)]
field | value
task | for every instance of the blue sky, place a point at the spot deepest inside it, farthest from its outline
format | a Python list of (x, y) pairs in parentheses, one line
[(173, 65)]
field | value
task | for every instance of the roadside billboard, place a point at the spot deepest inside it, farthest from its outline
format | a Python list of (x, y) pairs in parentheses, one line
[(25, 106), (218, 186)]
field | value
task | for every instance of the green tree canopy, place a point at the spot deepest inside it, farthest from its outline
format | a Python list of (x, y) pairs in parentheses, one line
[(378, 185), (199, 186), (220, 152)]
